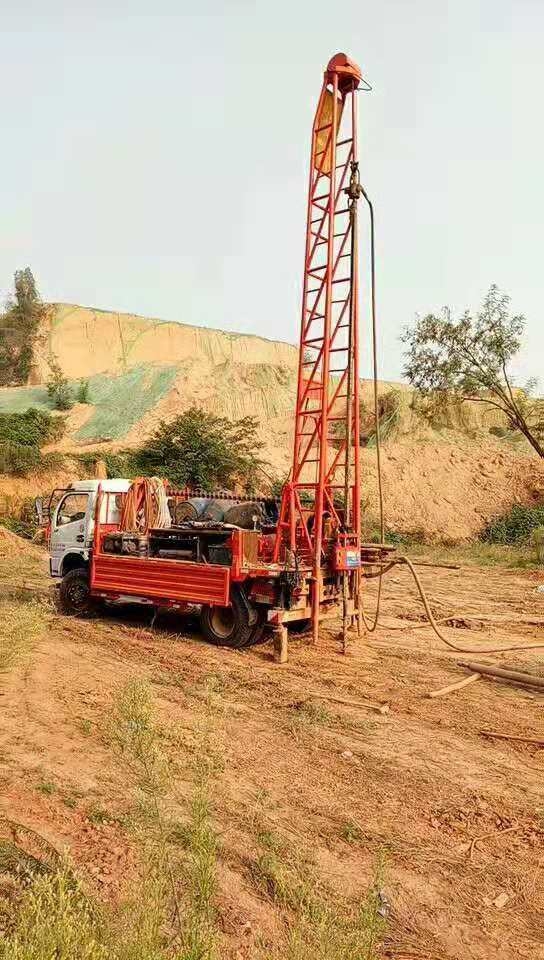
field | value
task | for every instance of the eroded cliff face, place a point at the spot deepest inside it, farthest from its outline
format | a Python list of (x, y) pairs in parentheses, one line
[(86, 342)]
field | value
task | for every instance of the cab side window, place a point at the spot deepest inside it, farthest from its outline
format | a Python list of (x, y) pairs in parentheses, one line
[(72, 508)]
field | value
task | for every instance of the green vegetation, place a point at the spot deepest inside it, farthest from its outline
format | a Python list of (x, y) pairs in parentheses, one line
[(169, 914), (321, 926), (18, 327), (350, 832), (514, 527), (203, 450), (468, 360), (20, 626), (21, 437), (47, 787), (32, 428), (141, 741), (388, 417), (307, 716), (82, 393), (59, 390), (478, 553), (537, 539), (122, 401), (119, 402), (18, 459)]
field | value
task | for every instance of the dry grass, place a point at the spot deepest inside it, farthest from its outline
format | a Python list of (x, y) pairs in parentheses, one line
[(160, 919), (21, 561), (476, 554), (317, 924), (20, 626)]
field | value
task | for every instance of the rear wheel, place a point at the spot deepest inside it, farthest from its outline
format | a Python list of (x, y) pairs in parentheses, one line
[(75, 593), (238, 625)]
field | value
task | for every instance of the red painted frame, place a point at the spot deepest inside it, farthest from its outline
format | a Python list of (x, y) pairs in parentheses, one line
[(329, 332)]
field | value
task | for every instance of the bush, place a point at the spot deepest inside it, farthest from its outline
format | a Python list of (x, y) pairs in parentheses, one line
[(118, 464), (58, 388), (537, 539), (18, 458), (82, 393), (515, 527), (21, 437), (388, 417), (32, 428), (202, 450)]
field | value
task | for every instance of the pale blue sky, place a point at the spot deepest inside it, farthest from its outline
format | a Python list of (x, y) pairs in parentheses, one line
[(154, 155)]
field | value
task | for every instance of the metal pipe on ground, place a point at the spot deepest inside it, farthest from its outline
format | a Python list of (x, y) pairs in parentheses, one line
[(514, 676)]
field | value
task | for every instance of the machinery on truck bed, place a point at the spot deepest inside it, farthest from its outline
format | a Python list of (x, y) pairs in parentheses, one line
[(302, 563)]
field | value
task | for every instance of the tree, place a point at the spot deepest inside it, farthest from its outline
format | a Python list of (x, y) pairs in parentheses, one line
[(200, 449), (469, 359), (18, 326), (58, 388)]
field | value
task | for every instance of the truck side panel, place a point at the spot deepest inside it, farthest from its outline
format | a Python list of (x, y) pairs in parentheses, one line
[(160, 579)]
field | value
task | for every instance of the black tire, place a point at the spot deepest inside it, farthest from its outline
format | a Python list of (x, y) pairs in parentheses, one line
[(299, 626), (235, 626), (258, 621), (75, 593)]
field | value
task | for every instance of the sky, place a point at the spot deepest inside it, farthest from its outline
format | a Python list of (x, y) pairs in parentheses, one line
[(155, 156)]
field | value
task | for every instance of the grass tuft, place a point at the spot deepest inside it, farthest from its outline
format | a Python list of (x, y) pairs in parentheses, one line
[(318, 925), (20, 626), (55, 920)]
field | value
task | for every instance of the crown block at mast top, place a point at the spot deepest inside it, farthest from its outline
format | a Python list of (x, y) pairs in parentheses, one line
[(348, 72)]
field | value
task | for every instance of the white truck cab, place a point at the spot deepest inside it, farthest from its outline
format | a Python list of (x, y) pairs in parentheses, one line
[(72, 522)]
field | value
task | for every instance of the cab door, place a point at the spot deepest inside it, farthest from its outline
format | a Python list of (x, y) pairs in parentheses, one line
[(68, 528)]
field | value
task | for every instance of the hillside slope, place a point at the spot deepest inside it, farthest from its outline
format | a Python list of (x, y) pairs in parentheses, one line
[(444, 478)]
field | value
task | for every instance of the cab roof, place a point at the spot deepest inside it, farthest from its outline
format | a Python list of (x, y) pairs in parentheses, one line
[(113, 486)]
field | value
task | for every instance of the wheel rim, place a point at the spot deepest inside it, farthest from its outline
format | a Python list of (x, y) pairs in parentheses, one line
[(222, 621), (78, 593)]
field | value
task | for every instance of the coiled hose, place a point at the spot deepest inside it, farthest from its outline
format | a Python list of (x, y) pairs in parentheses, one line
[(145, 506)]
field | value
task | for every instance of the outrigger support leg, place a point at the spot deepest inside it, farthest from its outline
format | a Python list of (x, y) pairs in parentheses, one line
[(280, 643)]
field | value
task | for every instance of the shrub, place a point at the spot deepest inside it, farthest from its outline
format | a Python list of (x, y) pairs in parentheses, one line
[(18, 458), (21, 437), (514, 527), (82, 393), (58, 388), (32, 428), (388, 417), (203, 450), (118, 464), (537, 539)]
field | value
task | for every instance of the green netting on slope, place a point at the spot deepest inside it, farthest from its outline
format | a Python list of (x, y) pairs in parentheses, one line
[(19, 399), (120, 402)]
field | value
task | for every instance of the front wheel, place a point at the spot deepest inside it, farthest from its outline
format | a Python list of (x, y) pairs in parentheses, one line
[(236, 626), (75, 593)]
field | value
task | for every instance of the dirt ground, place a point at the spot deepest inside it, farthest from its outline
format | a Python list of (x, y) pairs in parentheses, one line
[(419, 784)]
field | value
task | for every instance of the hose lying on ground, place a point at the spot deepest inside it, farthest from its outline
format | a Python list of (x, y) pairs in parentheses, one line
[(432, 620)]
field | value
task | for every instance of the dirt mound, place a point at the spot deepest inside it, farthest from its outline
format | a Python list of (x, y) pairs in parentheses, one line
[(448, 492), (11, 545)]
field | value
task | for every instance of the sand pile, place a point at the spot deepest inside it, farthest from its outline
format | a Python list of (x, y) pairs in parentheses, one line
[(449, 492), (14, 547)]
